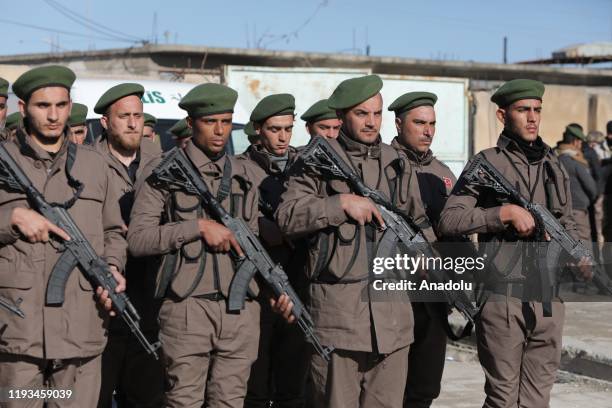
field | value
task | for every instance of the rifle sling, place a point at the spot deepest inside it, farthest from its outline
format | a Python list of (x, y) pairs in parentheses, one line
[(74, 183)]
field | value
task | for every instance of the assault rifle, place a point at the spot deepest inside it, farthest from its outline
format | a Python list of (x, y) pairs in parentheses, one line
[(176, 170), (400, 228), (482, 173), (13, 308), (75, 252)]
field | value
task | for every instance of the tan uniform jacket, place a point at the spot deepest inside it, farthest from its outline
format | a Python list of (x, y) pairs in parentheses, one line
[(163, 221), (471, 209), (436, 180), (339, 263), (77, 328)]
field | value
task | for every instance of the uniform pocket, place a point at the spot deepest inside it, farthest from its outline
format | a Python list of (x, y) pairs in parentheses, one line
[(15, 273), (186, 206)]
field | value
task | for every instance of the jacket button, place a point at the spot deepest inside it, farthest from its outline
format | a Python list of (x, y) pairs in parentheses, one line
[(38, 164)]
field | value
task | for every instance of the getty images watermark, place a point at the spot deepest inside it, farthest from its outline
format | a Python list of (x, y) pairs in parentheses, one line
[(406, 273)]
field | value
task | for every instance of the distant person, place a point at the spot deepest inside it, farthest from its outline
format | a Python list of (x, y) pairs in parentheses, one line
[(607, 144), (78, 123), (149, 129), (13, 121), (181, 133), (594, 167), (3, 107), (597, 142), (321, 120), (249, 130), (589, 154), (582, 184), (607, 199), (3, 101)]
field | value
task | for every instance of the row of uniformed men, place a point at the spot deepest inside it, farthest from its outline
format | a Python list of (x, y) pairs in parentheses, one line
[(320, 231)]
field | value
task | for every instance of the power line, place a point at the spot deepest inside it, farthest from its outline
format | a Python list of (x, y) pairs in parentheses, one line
[(53, 30), (87, 22), (293, 34), (91, 24)]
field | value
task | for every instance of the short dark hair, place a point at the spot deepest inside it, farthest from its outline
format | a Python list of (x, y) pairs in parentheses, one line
[(609, 127)]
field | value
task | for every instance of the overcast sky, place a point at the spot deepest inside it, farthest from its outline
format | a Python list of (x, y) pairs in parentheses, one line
[(458, 30)]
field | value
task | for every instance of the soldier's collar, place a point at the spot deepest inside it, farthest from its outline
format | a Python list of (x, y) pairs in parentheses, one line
[(28, 147), (507, 143), (260, 155), (358, 149), (201, 159), (413, 156)]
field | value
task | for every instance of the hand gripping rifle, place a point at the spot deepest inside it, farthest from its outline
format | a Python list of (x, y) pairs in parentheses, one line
[(482, 173), (399, 227), (76, 252), (176, 170)]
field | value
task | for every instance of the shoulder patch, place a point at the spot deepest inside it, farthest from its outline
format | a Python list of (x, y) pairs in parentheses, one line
[(448, 183)]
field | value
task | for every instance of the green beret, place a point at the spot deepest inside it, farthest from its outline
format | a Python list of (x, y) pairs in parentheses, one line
[(180, 129), (575, 131), (319, 111), (249, 129), (12, 121), (41, 77), (115, 93), (150, 120), (516, 90), (3, 87), (273, 105), (78, 114), (209, 99), (353, 91), (412, 100)]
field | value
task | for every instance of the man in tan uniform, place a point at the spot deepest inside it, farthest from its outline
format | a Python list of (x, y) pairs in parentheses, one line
[(181, 133), (54, 346), (519, 347), (148, 131), (13, 121), (582, 185), (3, 108), (135, 376), (415, 120), (3, 101), (279, 374), (371, 338), (207, 350), (321, 120), (78, 123), (249, 130)]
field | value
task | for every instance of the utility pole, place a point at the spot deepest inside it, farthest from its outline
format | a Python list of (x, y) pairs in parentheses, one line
[(154, 29), (505, 50)]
